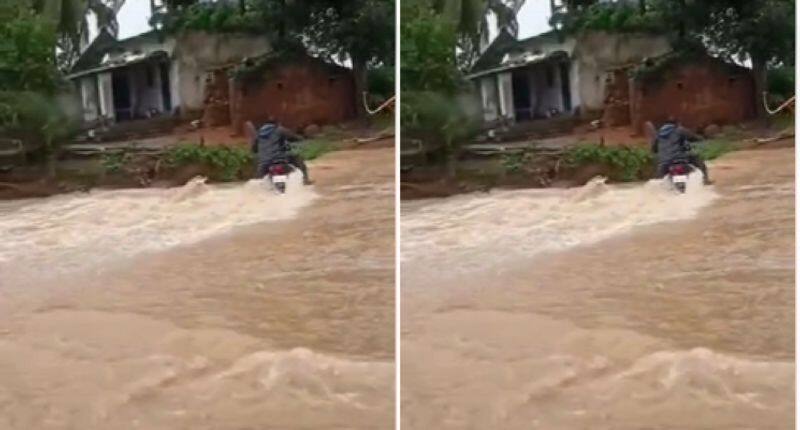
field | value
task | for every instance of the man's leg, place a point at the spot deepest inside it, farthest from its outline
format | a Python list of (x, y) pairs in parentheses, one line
[(698, 162), (661, 170), (298, 162), (262, 168)]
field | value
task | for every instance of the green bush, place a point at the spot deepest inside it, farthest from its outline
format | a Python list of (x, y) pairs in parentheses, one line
[(218, 17), (230, 161), (312, 149), (114, 162), (780, 81), (513, 163), (713, 149), (630, 162), (613, 17)]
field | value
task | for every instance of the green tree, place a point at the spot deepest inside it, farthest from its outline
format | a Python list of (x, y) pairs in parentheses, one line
[(71, 20), (361, 31), (762, 31), (33, 104), (436, 107), (27, 43)]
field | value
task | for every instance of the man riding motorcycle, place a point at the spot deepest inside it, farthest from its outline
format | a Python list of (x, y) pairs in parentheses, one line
[(671, 143), (272, 144)]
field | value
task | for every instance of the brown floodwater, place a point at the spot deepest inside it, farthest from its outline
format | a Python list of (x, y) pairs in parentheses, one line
[(205, 307), (605, 307)]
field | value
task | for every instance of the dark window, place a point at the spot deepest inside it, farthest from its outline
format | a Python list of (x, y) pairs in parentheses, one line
[(680, 85), (550, 77), (280, 85), (151, 79)]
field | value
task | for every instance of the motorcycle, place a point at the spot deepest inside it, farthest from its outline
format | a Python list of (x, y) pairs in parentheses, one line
[(678, 174), (278, 174)]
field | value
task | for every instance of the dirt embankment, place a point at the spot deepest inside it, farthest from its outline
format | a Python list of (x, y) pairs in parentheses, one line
[(553, 172)]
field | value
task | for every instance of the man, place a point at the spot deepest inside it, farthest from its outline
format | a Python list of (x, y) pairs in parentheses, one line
[(271, 143), (671, 143)]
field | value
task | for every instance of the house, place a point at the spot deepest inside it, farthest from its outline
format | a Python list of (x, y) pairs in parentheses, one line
[(699, 91), (554, 74), (154, 74), (298, 90)]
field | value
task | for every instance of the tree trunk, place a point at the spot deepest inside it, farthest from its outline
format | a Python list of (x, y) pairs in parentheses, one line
[(242, 6), (360, 78), (642, 6), (760, 79)]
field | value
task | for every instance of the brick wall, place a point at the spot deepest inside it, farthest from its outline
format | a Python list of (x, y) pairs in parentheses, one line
[(698, 94), (298, 94)]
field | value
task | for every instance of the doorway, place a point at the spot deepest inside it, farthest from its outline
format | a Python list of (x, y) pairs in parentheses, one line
[(121, 89), (521, 88), (566, 92), (166, 94)]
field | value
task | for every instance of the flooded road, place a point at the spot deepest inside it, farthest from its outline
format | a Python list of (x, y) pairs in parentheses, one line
[(206, 307), (605, 307)]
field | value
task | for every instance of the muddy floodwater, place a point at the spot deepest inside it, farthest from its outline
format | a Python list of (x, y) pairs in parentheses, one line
[(217, 307), (616, 307)]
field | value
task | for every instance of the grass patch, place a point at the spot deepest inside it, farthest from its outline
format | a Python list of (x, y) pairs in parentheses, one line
[(229, 161), (713, 149), (312, 149), (114, 162), (632, 163), (514, 163)]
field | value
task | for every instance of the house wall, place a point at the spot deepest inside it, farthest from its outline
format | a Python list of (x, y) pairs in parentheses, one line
[(597, 53), (90, 98), (490, 98), (506, 95), (297, 94), (198, 53), (698, 94)]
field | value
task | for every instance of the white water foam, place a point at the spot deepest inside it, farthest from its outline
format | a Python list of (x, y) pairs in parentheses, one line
[(79, 231), (473, 232)]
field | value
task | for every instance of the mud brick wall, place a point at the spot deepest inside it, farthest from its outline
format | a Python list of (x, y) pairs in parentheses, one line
[(298, 94), (698, 94)]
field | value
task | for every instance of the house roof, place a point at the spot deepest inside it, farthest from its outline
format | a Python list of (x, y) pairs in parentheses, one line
[(492, 58), (528, 60), (95, 57)]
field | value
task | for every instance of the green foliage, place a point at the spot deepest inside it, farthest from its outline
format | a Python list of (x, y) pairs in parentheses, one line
[(362, 30), (761, 29), (114, 162), (439, 118), (612, 17), (713, 149), (630, 162), (27, 43), (380, 81), (221, 17), (230, 161), (312, 149), (37, 117), (427, 54), (780, 81), (513, 163)]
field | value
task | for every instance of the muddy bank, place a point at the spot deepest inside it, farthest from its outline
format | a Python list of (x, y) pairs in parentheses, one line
[(485, 174), (133, 172)]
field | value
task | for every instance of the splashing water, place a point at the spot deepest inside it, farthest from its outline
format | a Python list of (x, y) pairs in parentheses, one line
[(475, 231), (80, 231)]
